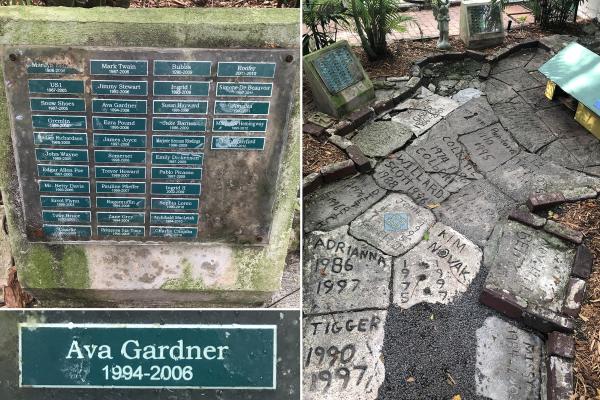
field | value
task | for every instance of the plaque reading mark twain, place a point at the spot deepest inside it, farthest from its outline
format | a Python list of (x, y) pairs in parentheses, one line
[(148, 144)]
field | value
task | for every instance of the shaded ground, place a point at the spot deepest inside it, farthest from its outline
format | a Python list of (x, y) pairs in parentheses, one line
[(585, 216)]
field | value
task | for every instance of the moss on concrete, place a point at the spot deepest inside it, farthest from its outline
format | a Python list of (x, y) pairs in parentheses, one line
[(58, 266), (186, 281)]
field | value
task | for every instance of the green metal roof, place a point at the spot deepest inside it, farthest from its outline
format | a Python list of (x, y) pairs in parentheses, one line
[(576, 70)]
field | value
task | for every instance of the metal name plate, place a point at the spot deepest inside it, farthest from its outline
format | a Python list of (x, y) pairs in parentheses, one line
[(146, 356), (337, 70), (148, 144)]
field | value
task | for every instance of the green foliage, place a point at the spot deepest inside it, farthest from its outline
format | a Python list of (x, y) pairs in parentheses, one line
[(554, 13), (322, 19), (374, 20)]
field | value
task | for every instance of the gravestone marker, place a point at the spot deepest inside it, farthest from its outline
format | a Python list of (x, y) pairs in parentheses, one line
[(436, 270), (526, 174), (337, 79), (490, 147), (342, 355), (530, 264), (474, 210), (339, 203), (403, 174), (189, 142), (481, 24), (342, 273), (397, 238), (420, 114), (509, 360)]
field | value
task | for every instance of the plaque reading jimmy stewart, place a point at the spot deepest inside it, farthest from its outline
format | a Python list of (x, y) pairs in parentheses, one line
[(148, 144)]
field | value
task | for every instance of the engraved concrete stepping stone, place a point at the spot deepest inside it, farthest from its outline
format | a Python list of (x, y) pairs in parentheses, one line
[(342, 273), (499, 92), (380, 138), (515, 60), (540, 57), (535, 97), (530, 264), (520, 120), (529, 173), (490, 147), (464, 95), (474, 210), (471, 116), (342, 356), (420, 114), (436, 270), (561, 121), (518, 79), (339, 203), (453, 182), (508, 361), (403, 174), (394, 225)]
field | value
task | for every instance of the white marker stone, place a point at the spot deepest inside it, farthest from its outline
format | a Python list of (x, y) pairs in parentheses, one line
[(421, 114), (343, 356), (394, 225), (342, 273), (508, 362), (437, 269)]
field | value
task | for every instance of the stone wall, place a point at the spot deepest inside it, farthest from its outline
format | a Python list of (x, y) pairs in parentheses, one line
[(151, 275)]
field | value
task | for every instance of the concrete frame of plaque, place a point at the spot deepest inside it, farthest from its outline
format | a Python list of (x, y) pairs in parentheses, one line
[(481, 23), (337, 79), (158, 168)]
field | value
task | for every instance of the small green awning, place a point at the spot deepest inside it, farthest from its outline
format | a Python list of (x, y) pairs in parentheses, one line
[(576, 70)]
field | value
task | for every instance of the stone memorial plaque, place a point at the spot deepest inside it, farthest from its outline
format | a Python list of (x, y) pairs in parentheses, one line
[(490, 147), (380, 138), (337, 69), (148, 356), (519, 257), (438, 269), (339, 203), (132, 128), (484, 18), (509, 361), (420, 114), (526, 174), (403, 174), (410, 222), (474, 210), (342, 356), (342, 273)]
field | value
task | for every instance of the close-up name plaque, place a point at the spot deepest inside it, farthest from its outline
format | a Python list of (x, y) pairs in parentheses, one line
[(148, 144)]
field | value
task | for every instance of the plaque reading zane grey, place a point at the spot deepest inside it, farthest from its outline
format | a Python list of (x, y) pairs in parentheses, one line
[(337, 70), (146, 356), (148, 144)]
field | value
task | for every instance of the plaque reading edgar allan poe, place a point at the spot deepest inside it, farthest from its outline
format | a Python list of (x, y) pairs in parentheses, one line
[(148, 144)]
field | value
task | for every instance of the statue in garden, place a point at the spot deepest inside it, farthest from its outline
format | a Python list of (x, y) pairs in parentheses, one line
[(441, 12)]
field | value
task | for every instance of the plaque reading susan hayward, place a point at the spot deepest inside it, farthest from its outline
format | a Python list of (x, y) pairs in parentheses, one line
[(149, 144)]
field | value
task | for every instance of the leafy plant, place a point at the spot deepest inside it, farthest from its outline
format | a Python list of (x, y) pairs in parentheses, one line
[(374, 20), (322, 19), (554, 13)]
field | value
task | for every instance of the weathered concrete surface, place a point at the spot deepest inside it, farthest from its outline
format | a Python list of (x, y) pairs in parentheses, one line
[(403, 174), (490, 147), (508, 362), (531, 264), (59, 272), (342, 273), (339, 203), (474, 210), (437, 270), (380, 138), (373, 227), (528, 173), (351, 344), (421, 113), (471, 116)]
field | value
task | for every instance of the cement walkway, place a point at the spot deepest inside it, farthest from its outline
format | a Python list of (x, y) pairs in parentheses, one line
[(396, 260)]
